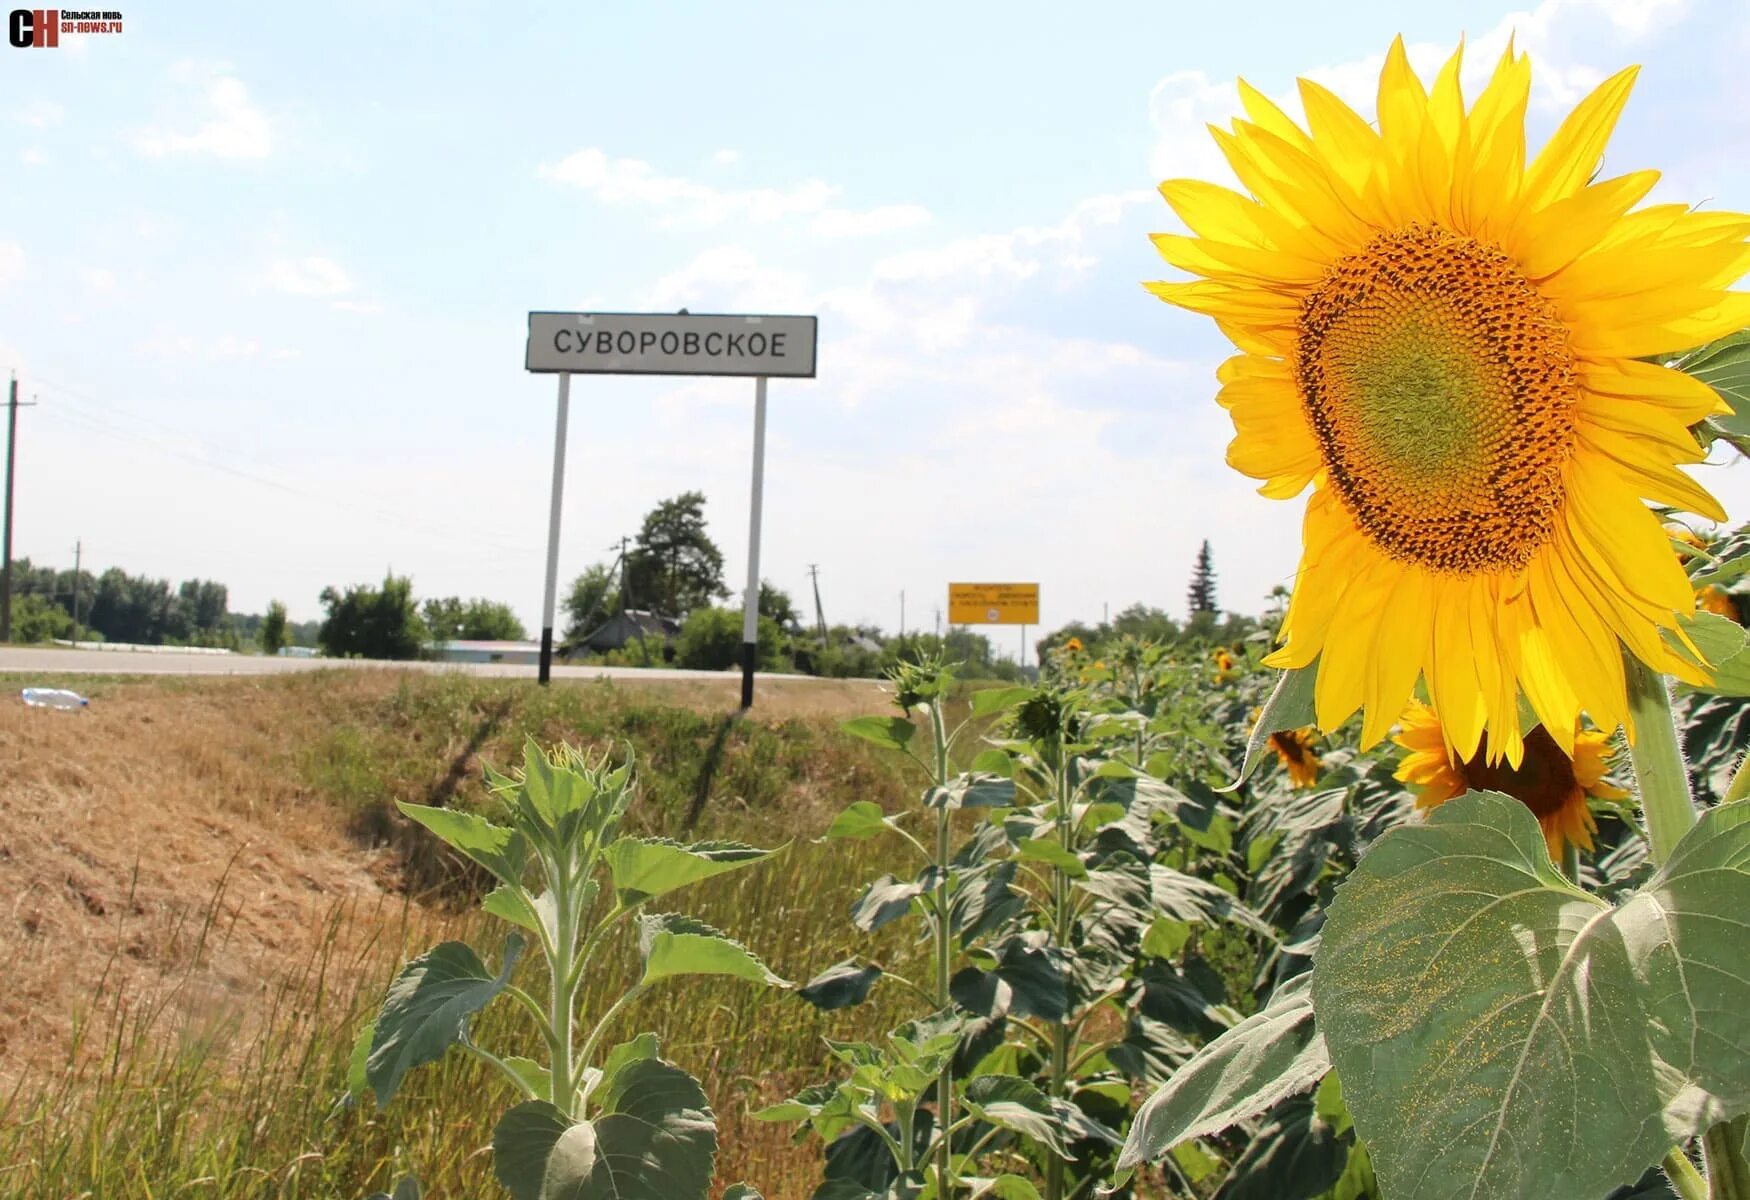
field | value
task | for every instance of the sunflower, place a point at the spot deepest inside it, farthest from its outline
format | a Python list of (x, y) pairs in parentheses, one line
[(1073, 646), (1446, 343), (1294, 750), (1224, 664), (1718, 600), (1549, 782)]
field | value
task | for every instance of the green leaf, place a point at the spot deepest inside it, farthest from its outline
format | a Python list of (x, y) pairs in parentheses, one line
[(514, 904), (888, 899), (355, 1062), (655, 1139), (1502, 1033), (1194, 1162), (1290, 707), (636, 1049), (1049, 850), (428, 1007), (1165, 937), (742, 1191), (890, 733), (534, 1076), (994, 762), (1725, 366), (996, 700), (1013, 1187), (863, 819), (644, 868), (973, 791), (841, 985), (1292, 1156), (1725, 645), (501, 851), (671, 945), (1012, 1103), (407, 1189), (1272, 1054), (538, 1153)]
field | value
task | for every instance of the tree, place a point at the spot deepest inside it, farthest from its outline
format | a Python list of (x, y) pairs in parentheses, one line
[(272, 634), (368, 622), (1200, 598), (588, 603), (453, 619), (675, 566), (776, 604)]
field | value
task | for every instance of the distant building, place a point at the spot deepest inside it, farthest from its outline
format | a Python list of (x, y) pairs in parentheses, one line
[(623, 626), (524, 653)]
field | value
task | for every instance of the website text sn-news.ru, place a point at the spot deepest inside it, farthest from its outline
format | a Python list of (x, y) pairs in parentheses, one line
[(41, 28)]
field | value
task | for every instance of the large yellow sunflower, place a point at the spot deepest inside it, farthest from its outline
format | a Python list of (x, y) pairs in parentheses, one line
[(1294, 750), (1547, 781), (1445, 341)]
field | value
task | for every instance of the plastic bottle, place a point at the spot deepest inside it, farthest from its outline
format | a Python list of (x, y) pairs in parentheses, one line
[(53, 698)]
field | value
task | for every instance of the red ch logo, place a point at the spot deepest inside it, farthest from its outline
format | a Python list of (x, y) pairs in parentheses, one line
[(34, 27)]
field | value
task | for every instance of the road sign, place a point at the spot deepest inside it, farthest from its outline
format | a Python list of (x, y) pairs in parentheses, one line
[(672, 344), (567, 344), (993, 604)]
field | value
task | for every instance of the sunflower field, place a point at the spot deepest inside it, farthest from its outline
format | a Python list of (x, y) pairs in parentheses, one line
[(1436, 886)]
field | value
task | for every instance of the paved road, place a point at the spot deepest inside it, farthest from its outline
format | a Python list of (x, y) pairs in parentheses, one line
[(24, 660)]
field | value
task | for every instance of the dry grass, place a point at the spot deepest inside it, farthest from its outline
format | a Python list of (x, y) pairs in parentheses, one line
[(206, 896)]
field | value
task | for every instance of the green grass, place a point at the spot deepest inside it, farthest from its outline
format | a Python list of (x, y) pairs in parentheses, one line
[(151, 1104)]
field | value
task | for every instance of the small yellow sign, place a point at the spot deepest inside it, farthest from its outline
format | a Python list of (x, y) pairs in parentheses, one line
[(993, 604)]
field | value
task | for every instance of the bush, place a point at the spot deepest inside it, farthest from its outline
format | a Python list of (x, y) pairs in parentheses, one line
[(35, 619), (711, 641)]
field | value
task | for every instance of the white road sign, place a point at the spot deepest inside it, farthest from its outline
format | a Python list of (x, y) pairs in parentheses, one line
[(672, 344)]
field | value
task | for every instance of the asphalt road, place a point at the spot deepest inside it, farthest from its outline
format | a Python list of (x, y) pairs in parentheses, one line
[(25, 660)]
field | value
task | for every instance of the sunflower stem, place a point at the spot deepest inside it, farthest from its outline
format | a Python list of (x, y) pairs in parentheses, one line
[(1660, 774), (1686, 1181), (1728, 1173), (1571, 862)]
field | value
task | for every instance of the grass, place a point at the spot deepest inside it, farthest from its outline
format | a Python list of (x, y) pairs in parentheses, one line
[(160, 1091)]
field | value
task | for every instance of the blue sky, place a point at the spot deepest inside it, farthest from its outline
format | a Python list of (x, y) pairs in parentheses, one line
[(267, 273)]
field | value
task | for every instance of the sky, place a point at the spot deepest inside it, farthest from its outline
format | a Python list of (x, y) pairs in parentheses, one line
[(267, 274)]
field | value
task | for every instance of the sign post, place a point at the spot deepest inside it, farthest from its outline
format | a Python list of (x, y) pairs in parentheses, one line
[(750, 604), (546, 668), (682, 343)]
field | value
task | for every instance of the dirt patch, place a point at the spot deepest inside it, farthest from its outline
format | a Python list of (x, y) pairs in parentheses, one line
[(143, 842)]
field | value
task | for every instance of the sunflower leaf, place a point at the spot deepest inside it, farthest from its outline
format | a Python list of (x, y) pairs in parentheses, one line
[(1725, 645), (1290, 707), (1479, 1007), (1725, 367)]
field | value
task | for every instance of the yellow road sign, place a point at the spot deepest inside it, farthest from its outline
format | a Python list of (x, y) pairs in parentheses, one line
[(993, 604)]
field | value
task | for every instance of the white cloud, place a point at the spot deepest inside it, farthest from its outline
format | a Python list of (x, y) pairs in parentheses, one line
[(312, 276), (680, 201), (838, 222), (234, 129), (1184, 103), (365, 307), (726, 156), (40, 114), (11, 262), (186, 346), (100, 281), (31, 156)]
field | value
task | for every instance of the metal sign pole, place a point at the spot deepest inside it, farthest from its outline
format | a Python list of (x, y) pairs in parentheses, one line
[(750, 605), (553, 527)]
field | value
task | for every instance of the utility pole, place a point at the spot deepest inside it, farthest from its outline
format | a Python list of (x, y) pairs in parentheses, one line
[(938, 624), (78, 554), (623, 593), (12, 407), (819, 613), (902, 613)]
